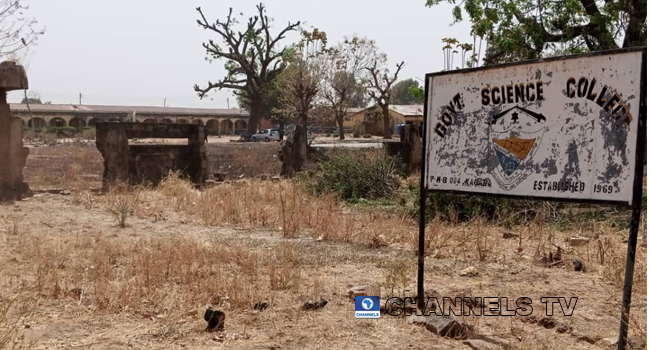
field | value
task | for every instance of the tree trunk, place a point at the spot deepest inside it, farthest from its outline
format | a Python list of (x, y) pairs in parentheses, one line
[(339, 121), (634, 33), (294, 151), (255, 116), (387, 132)]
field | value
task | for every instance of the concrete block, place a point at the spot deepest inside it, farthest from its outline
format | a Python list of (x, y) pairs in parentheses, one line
[(12, 76)]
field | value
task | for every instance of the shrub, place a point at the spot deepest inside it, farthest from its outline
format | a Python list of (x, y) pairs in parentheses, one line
[(356, 133), (62, 129), (366, 175), (457, 207)]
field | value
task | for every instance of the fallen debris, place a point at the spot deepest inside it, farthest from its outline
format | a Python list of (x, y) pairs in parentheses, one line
[(221, 337), (564, 329), (215, 319), (547, 322), (469, 272), (261, 306), (553, 259), (578, 241), (314, 305), (577, 265), (357, 291)]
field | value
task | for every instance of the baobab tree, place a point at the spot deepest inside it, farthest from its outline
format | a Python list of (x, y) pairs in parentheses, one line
[(253, 60), (380, 82)]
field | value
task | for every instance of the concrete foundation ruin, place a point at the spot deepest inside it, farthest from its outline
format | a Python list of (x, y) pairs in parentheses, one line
[(12, 153), (408, 150), (149, 164)]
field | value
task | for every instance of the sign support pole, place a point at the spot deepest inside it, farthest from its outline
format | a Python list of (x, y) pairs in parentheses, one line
[(422, 226), (636, 214), (423, 201)]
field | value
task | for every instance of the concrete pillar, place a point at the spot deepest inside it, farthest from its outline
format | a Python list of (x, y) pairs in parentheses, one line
[(12, 153)]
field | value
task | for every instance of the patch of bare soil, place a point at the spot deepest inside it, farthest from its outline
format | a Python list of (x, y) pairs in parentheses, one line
[(63, 165), (247, 159)]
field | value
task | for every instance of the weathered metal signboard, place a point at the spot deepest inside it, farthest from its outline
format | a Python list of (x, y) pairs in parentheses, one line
[(562, 128)]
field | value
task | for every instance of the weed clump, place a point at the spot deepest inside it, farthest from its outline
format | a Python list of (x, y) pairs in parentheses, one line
[(121, 209), (355, 176)]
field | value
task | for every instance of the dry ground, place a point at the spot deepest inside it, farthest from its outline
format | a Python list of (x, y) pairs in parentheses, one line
[(77, 280)]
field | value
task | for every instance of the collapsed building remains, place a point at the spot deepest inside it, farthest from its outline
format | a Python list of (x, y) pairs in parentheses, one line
[(149, 164)]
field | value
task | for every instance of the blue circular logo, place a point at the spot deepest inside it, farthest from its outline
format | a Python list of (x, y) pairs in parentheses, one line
[(366, 304)]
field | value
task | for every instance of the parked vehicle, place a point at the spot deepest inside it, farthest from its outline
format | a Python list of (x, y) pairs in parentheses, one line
[(266, 135)]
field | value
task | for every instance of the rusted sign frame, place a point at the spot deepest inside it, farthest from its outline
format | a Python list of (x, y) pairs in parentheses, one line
[(637, 186)]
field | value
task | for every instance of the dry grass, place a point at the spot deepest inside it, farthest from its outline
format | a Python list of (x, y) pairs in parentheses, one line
[(155, 274), (279, 205), (312, 247)]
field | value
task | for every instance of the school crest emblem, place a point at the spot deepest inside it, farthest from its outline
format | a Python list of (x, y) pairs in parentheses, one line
[(515, 134)]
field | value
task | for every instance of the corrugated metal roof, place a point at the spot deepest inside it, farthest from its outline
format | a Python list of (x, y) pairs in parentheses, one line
[(405, 110), (97, 109), (355, 110), (408, 110)]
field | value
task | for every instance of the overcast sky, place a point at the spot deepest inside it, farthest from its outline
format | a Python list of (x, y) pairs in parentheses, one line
[(139, 52)]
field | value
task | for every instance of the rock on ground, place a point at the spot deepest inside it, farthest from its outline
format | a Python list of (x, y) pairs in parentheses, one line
[(443, 326)]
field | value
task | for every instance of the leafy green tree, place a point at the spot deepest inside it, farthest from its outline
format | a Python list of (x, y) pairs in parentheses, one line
[(525, 29), (401, 93), (253, 60), (417, 92)]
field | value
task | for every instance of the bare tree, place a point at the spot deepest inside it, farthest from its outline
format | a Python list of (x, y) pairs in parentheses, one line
[(253, 60), (379, 89), (346, 63), (303, 79), (300, 84), (17, 31)]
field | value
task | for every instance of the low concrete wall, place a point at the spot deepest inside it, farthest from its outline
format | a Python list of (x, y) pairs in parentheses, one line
[(136, 164)]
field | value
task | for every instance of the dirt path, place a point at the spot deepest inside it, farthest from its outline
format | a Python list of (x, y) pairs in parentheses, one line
[(327, 269)]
